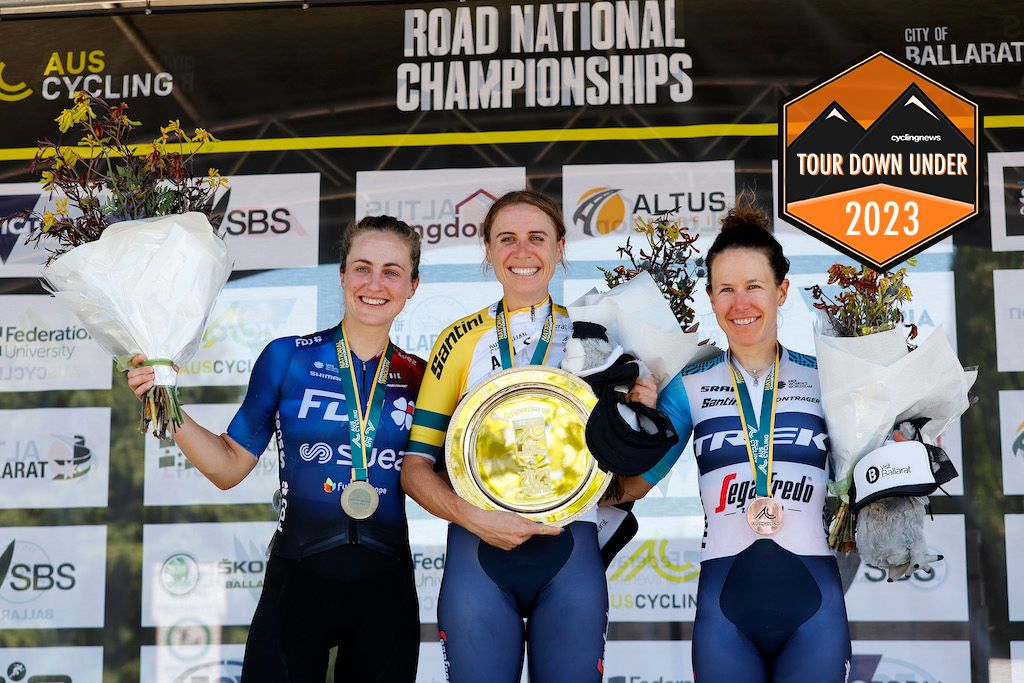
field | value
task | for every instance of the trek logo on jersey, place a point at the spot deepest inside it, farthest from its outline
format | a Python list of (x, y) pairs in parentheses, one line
[(782, 436), (739, 494), (323, 404)]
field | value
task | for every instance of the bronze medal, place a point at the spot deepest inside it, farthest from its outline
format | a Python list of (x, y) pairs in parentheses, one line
[(764, 515), (359, 500)]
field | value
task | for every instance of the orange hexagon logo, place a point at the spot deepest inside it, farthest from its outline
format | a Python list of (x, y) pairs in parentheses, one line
[(879, 161)]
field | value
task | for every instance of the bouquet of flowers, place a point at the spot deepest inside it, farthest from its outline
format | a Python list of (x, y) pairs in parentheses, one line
[(872, 379), (647, 308), (136, 258)]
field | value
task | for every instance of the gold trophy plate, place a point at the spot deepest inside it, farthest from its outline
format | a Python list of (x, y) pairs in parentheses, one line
[(517, 442)]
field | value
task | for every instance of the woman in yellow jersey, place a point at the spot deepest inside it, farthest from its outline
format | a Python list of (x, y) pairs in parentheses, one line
[(500, 567)]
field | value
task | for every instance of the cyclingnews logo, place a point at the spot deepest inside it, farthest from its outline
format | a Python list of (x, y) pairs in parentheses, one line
[(65, 72), (879, 161)]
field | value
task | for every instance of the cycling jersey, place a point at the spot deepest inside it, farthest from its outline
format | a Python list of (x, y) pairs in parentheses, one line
[(295, 393), (556, 582), (768, 609)]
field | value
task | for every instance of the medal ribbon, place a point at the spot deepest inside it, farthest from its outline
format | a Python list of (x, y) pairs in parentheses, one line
[(758, 433), (362, 426), (502, 323)]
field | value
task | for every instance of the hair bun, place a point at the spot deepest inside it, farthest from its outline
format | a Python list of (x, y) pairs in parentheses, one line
[(745, 216)]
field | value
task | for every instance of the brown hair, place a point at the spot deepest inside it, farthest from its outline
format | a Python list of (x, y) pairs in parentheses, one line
[(533, 198), (746, 226), (382, 224)]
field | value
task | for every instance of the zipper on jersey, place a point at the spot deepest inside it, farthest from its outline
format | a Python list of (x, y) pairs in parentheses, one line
[(533, 313)]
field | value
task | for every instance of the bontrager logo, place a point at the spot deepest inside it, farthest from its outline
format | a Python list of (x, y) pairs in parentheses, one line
[(12, 92), (654, 554), (600, 211)]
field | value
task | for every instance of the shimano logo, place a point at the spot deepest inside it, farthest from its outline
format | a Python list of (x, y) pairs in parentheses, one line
[(316, 400)]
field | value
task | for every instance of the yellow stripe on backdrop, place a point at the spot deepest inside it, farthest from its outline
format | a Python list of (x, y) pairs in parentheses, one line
[(704, 130)]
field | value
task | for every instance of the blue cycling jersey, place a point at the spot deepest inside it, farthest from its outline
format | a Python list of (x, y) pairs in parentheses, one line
[(296, 395)]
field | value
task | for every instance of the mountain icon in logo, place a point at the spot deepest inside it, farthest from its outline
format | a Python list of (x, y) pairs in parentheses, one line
[(14, 227)]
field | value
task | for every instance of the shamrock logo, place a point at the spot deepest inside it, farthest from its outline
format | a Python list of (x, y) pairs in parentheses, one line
[(402, 414)]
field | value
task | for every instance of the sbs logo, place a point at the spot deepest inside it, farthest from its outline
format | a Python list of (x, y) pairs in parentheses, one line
[(600, 211), (179, 574), (28, 573)]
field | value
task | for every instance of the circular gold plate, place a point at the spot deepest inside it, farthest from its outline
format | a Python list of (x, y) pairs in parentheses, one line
[(517, 442)]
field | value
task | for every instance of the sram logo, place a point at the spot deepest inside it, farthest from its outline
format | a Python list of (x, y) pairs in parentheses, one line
[(325, 405)]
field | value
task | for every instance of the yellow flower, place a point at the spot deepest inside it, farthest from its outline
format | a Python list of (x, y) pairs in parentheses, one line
[(89, 141), (202, 135), (62, 207), (48, 220), (173, 126), (69, 156), (214, 179), (65, 120), (46, 179)]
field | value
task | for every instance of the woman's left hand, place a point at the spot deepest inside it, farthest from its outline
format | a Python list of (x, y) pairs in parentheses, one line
[(644, 391)]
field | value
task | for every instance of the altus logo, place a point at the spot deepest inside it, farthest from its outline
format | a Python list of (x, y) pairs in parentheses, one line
[(12, 92), (600, 211), (654, 554)]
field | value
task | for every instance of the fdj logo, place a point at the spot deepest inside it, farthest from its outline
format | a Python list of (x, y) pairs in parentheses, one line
[(314, 400), (17, 672), (26, 572)]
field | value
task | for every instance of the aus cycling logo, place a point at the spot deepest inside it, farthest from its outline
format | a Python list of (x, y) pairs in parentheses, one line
[(654, 555), (12, 92)]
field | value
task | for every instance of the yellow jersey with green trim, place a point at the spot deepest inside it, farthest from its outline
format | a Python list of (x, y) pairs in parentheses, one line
[(467, 353)]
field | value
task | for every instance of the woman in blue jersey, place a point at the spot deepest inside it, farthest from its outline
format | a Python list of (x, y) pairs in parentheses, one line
[(770, 602), (500, 567), (338, 403)]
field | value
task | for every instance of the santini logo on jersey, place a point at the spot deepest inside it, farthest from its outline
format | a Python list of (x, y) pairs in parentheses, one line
[(783, 436), (738, 494), (454, 334)]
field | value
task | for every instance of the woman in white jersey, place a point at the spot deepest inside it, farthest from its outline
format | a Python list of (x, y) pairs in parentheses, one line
[(770, 602), (502, 568)]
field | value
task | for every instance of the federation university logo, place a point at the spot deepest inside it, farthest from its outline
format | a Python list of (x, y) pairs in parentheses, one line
[(879, 161), (600, 211)]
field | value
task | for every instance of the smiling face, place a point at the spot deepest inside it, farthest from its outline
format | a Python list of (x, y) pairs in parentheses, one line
[(377, 280), (524, 248), (745, 298)]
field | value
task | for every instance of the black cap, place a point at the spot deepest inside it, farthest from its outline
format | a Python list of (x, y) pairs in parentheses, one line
[(616, 445)]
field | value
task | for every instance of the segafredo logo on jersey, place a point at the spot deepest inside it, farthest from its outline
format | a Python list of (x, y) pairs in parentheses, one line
[(270, 221), (737, 494)]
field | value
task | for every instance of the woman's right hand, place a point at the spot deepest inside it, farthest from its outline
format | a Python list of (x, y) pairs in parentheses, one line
[(507, 530), (140, 377)]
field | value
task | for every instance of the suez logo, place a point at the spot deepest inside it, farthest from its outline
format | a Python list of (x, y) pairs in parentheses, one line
[(66, 72), (26, 571), (739, 494), (68, 457), (323, 453), (603, 210), (17, 672)]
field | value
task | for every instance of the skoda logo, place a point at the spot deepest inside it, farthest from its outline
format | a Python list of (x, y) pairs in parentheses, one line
[(179, 574), (872, 475)]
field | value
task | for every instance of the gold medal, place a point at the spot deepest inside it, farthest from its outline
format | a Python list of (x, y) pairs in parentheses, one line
[(764, 515), (359, 500)]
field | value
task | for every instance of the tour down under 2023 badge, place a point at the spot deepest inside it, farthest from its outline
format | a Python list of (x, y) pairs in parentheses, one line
[(879, 161)]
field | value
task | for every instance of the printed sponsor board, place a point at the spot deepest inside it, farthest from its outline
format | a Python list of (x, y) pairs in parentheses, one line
[(210, 663), (51, 664), (940, 596), (654, 578), (638, 661), (244, 320), (1016, 661), (1011, 441), (446, 206), (910, 661), (44, 347), (54, 458), (600, 201), (52, 577), (429, 538), (1006, 200), (270, 221), (879, 161), (431, 665), (435, 306), (18, 259), (211, 572), (1009, 313), (1015, 567), (170, 479)]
